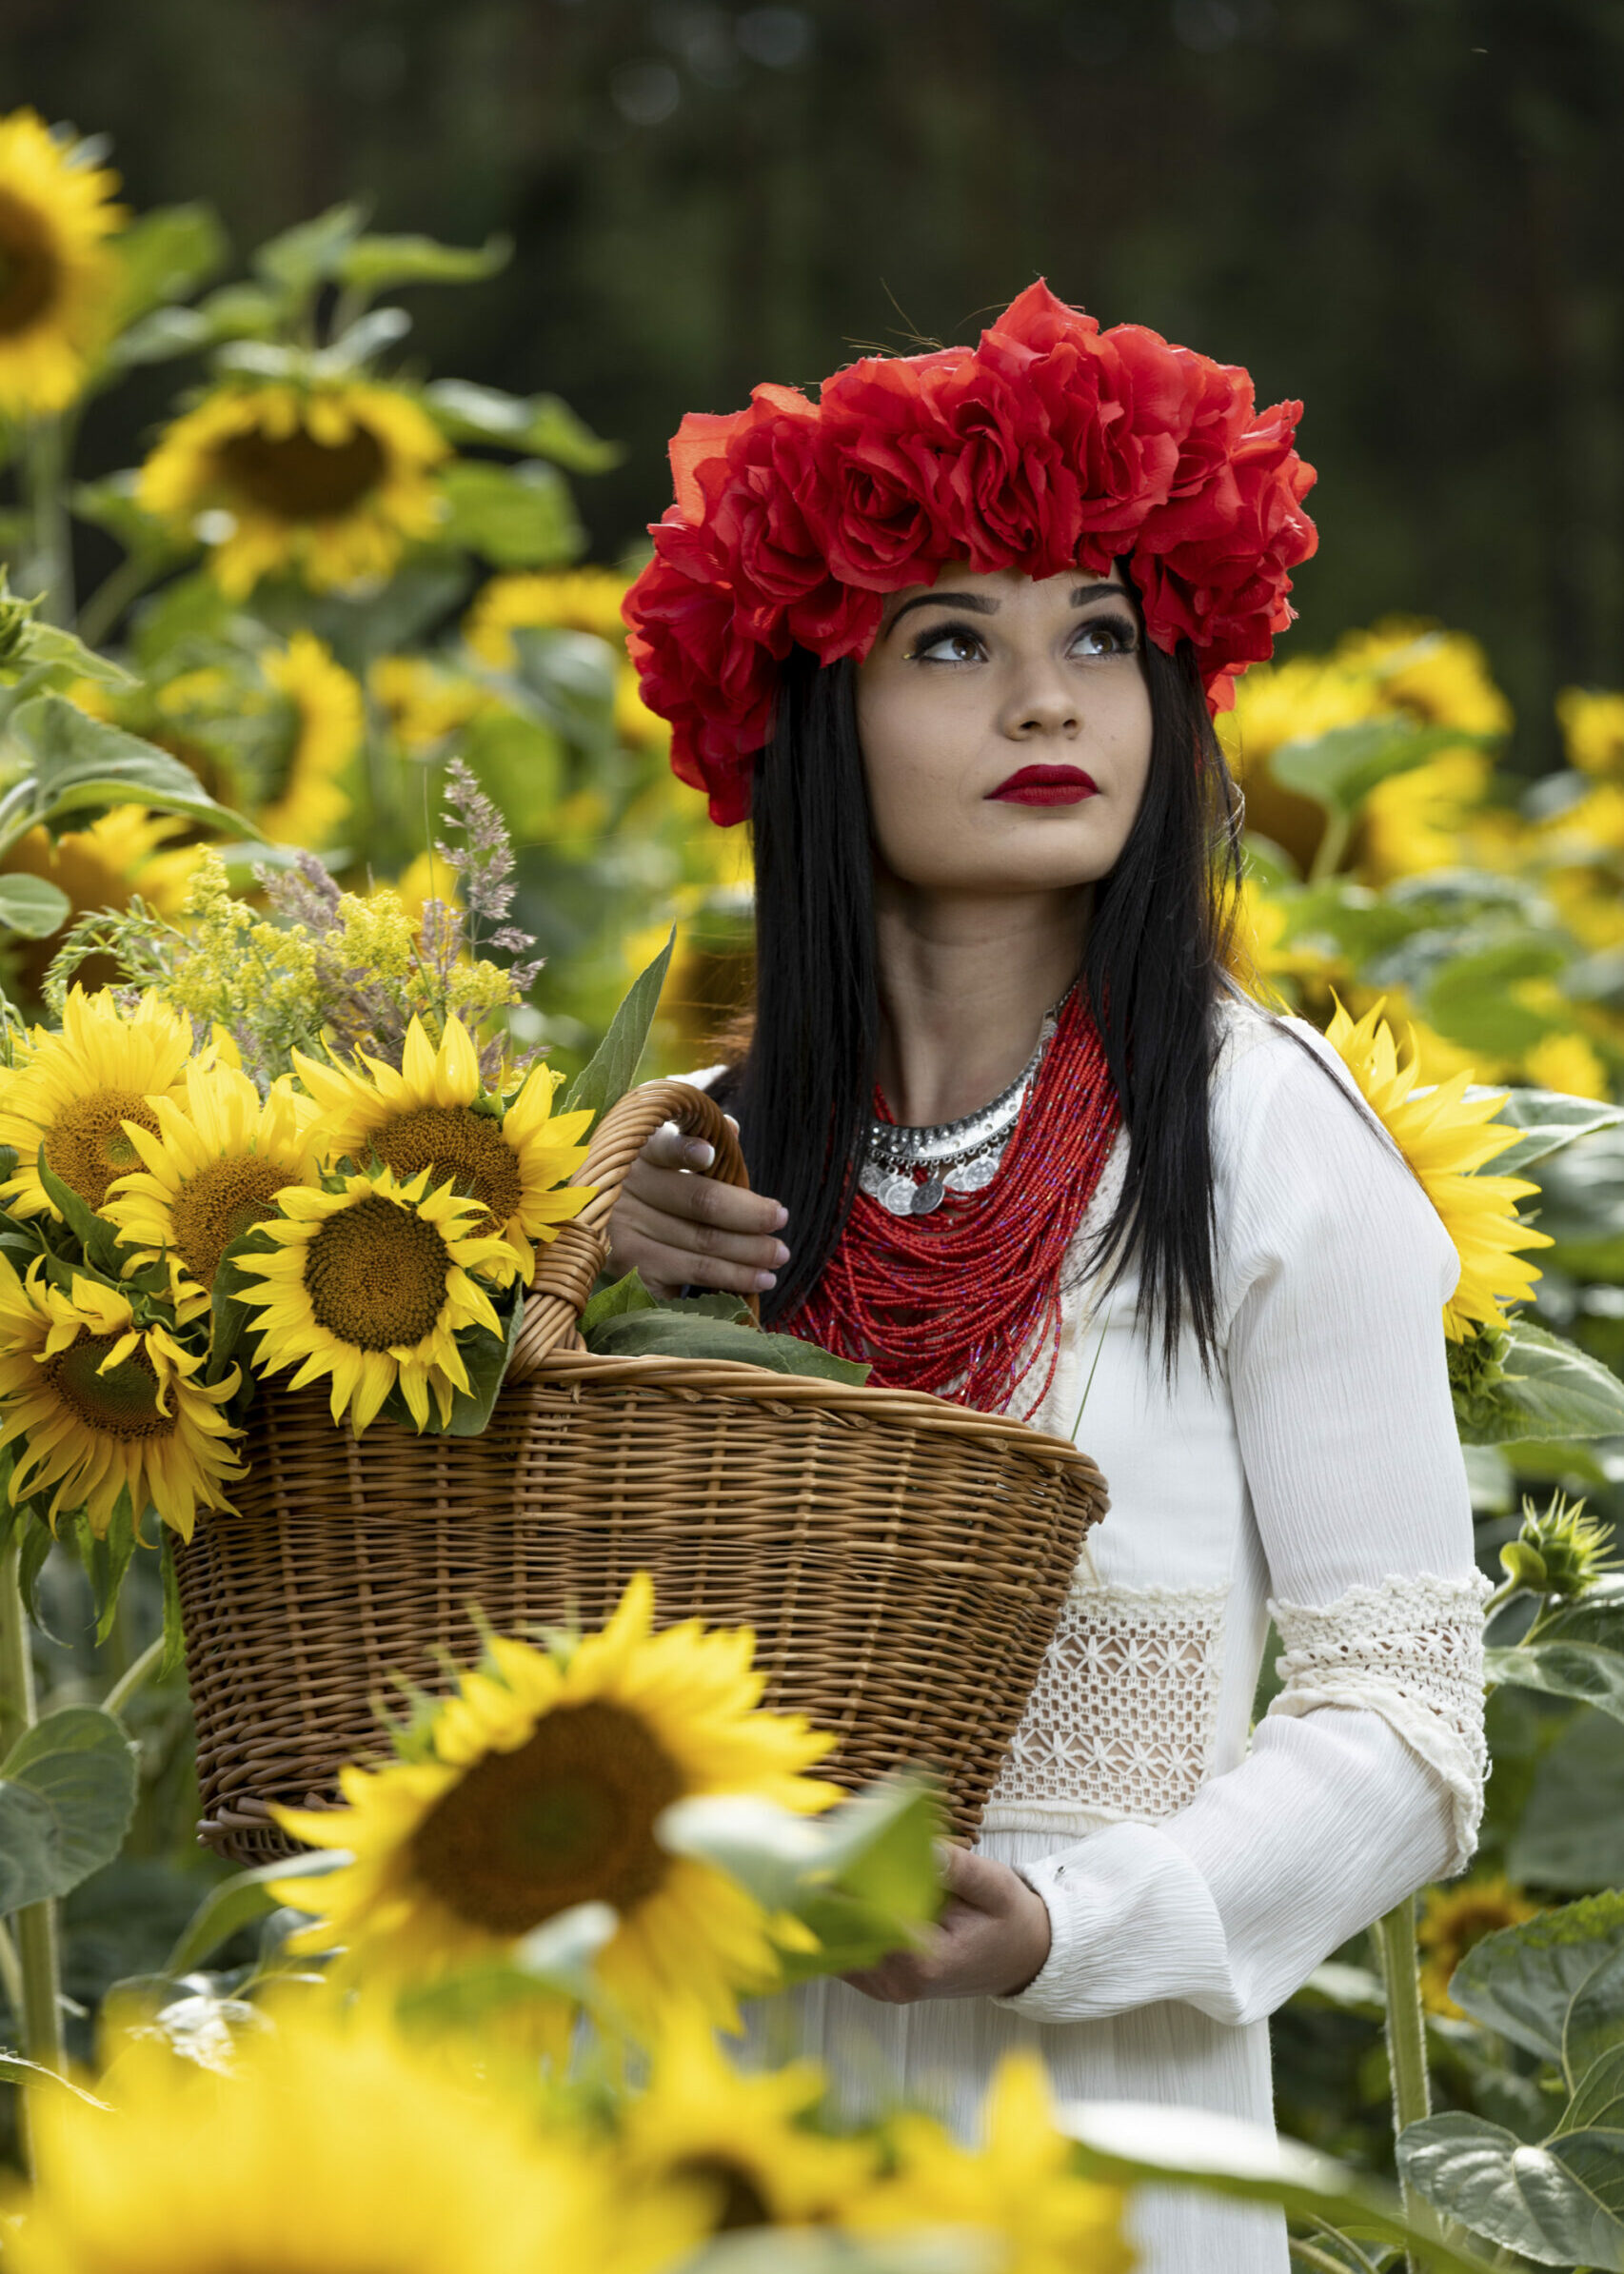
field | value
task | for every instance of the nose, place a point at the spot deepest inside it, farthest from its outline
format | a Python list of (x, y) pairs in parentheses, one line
[(1044, 704)]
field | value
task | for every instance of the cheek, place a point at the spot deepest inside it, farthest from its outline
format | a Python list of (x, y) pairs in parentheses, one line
[(913, 763)]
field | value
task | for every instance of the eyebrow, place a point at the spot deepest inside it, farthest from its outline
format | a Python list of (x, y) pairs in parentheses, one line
[(978, 604)]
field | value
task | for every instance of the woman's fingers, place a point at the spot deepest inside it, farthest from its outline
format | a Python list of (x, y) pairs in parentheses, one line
[(678, 1228)]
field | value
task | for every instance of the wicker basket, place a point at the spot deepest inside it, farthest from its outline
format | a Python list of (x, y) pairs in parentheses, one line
[(902, 1560)]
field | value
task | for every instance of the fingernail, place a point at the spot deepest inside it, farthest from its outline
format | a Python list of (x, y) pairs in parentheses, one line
[(782, 1218), (763, 1280), (698, 1154), (780, 1254)]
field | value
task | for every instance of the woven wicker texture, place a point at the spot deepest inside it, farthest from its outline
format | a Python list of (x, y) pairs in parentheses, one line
[(902, 1560)]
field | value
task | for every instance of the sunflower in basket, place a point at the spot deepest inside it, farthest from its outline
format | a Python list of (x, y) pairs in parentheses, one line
[(74, 1096), (212, 1170), (103, 1405), (539, 1786), (511, 1154), (373, 1283)]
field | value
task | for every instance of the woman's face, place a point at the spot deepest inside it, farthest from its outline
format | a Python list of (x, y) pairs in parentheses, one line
[(1005, 725)]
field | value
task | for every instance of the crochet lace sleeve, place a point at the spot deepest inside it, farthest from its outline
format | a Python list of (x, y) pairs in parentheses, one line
[(1365, 1778), (1411, 1650)]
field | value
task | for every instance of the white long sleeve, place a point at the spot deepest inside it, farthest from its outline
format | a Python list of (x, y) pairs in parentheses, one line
[(1365, 1778)]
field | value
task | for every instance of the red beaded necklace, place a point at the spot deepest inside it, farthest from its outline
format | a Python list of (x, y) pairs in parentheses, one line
[(964, 1301)]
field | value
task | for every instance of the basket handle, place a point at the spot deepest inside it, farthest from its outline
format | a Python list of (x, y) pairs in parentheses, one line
[(566, 1267)]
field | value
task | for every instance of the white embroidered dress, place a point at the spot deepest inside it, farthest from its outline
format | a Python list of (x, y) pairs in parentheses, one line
[(1193, 1875)]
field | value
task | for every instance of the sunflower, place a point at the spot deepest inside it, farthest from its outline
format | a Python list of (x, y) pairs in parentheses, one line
[(572, 600), (422, 702), (101, 1405), (1568, 1062), (371, 1284), (121, 853), (73, 1093), (1436, 676), (324, 2153), (1455, 1918), (1018, 2188), (1593, 730), (328, 721), (58, 283), (1442, 1136), (214, 1169), (744, 2138), (434, 1114), (331, 479), (540, 1786)]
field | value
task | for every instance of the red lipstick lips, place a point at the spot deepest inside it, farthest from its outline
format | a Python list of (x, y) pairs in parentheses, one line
[(1046, 785)]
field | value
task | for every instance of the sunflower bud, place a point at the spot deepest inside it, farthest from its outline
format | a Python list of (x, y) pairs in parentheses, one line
[(1559, 1551), (1524, 1566), (15, 617)]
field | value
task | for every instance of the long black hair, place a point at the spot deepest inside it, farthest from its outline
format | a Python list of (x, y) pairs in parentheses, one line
[(1153, 960)]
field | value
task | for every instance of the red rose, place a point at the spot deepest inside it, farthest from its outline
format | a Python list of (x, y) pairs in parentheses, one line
[(878, 451)]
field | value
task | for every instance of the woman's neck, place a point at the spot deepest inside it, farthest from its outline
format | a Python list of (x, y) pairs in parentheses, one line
[(964, 982)]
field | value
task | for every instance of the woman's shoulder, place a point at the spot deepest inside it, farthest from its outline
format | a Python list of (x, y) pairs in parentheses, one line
[(1267, 1062), (1300, 1160)]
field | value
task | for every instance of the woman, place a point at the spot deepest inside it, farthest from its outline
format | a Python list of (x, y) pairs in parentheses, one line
[(952, 638)]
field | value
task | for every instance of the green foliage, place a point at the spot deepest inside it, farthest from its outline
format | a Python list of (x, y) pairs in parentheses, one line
[(863, 1878), (67, 1795), (612, 1069), (1528, 1382)]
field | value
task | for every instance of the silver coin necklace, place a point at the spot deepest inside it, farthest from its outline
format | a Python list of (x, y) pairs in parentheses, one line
[(955, 1156)]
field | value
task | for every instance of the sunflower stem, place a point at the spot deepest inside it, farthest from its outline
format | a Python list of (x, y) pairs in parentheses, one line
[(134, 1676), (1332, 845), (121, 586), (49, 565), (34, 1927), (1395, 1938)]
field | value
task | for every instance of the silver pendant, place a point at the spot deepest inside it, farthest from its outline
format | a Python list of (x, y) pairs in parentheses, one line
[(928, 1196), (897, 1196), (974, 1176)]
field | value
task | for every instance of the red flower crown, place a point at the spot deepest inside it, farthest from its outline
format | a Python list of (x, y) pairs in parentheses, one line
[(1051, 445)]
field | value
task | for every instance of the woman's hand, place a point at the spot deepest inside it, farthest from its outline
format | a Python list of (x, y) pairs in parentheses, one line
[(991, 1939), (680, 1229)]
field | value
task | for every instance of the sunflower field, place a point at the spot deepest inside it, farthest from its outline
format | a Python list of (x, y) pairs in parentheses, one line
[(332, 833)]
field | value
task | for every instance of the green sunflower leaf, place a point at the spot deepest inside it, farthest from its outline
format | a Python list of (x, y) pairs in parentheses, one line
[(1549, 1119), (230, 1318), (614, 1302), (516, 517), (96, 1236), (379, 263), (1522, 1981), (486, 1360), (612, 1069), (1561, 2204), (1548, 1388), (238, 1902), (1576, 1670), (77, 763), (1340, 768), (163, 255), (67, 1796), (543, 424), (32, 906), (666, 1333)]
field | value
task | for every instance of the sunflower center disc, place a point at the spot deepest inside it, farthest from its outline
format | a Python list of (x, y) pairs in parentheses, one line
[(27, 273), (87, 1148), (375, 1274), (120, 1403), (743, 2202), (226, 1199), (298, 478), (452, 1141), (567, 1818)]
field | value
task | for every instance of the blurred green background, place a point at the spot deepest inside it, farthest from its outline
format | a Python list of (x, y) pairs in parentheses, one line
[(1403, 211)]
